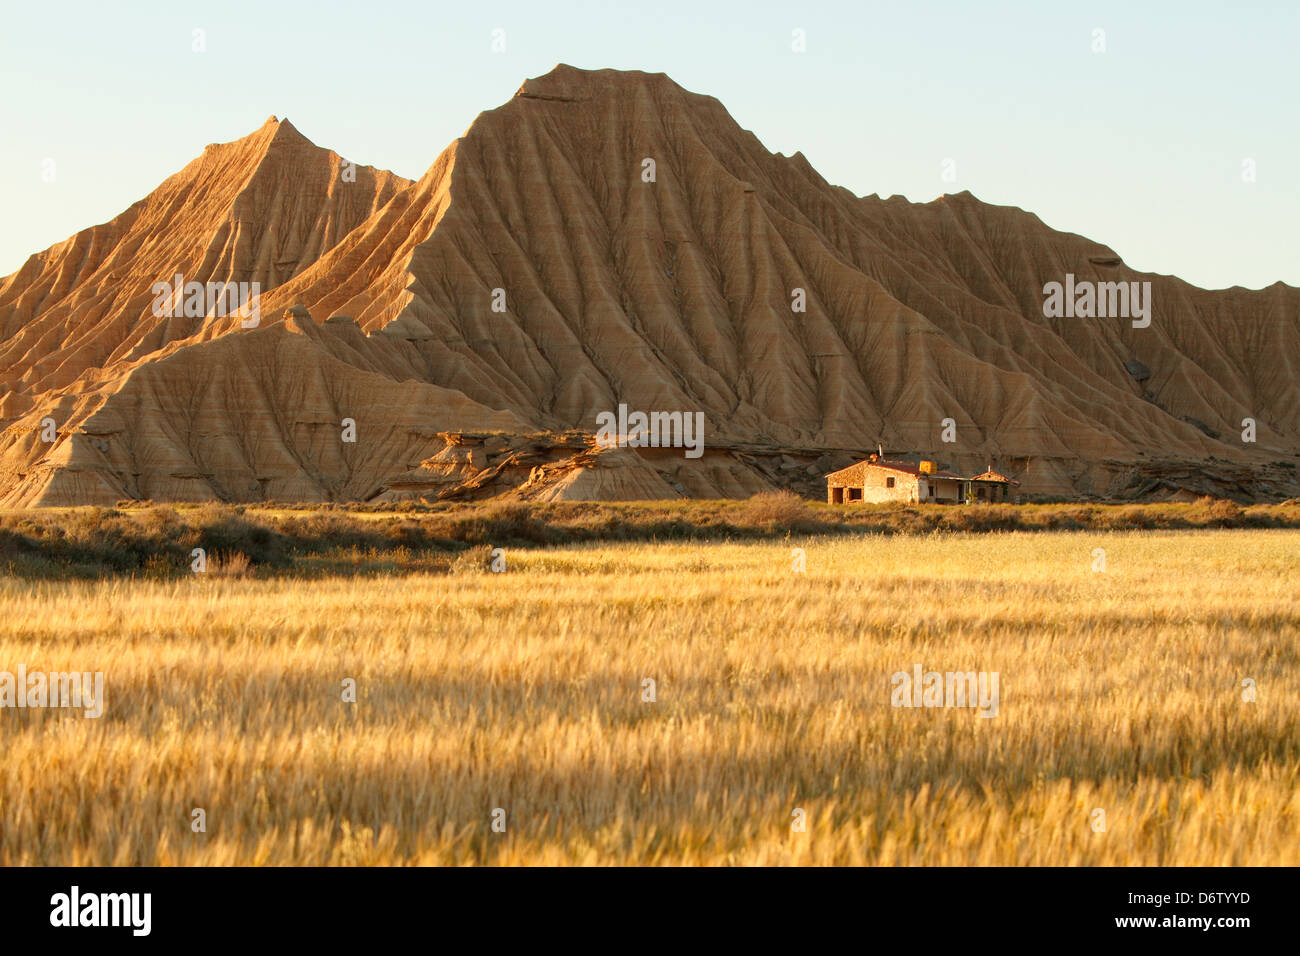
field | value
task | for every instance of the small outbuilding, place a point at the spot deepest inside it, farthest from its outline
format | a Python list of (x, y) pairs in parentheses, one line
[(991, 486)]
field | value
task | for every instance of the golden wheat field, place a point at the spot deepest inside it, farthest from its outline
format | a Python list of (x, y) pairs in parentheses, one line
[(1120, 690)]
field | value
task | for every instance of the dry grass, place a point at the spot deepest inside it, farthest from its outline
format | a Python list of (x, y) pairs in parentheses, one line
[(230, 564), (773, 510), (156, 541), (522, 690)]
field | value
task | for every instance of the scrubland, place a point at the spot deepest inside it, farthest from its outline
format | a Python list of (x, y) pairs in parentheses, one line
[(157, 540)]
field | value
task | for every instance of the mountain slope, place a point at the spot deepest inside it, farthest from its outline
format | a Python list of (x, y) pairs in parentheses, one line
[(257, 210), (668, 295)]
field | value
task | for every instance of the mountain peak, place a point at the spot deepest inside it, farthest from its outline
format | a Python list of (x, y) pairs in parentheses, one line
[(273, 132), (571, 83), (286, 132)]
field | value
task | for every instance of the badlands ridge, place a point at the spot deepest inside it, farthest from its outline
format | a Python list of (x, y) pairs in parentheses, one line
[(473, 324)]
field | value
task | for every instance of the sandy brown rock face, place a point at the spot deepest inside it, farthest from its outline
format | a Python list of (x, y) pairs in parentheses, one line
[(258, 210), (533, 278)]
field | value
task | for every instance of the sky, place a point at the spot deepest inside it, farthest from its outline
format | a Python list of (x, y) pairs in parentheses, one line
[(1167, 131)]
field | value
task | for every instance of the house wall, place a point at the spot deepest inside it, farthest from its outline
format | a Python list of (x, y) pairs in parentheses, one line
[(944, 489), (873, 482)]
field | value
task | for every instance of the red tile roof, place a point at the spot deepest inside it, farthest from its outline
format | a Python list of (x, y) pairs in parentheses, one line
[(906, 467), (991, 475), (914, 468)]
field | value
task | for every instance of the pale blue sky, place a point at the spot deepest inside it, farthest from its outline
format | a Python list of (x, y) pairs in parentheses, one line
[(1140, 147)]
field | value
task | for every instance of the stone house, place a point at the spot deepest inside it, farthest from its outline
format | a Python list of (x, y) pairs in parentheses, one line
[(880, 479)]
